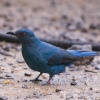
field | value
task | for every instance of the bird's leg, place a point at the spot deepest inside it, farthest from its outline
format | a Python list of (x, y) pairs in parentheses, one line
[(50, 79), (37, 78)]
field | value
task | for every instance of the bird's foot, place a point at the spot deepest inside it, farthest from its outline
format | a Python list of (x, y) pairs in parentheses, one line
[(48, 82)]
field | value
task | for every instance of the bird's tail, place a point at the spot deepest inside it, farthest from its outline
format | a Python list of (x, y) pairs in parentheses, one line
[(83, 57), (81, 53)]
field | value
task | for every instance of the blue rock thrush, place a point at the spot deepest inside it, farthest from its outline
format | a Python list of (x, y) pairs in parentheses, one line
[(46, 58)]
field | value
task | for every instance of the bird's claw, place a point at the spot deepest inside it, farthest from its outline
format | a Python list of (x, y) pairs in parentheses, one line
[(48, 82)]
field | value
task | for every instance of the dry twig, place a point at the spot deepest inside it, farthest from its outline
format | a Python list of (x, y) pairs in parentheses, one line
[(61, 43)]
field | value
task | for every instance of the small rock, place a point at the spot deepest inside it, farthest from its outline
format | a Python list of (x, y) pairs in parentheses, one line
[(24, 86), (13, 66), (20, 60), (72, 28), (84, 29), (95, 33), (35, 94), (43, 76), (46, 93), (81, 47), (73, 82), (72, 67), (7, 4), (69, 96), (54, 18), (3, 98), (82, 97), (97, 67), (64, 17), (6, 48), (1, 65), (36, 29), (12, 70), (10, 63), (93, 26), (57, 90), (27, 74), (8, 75), (82, 17), (53, 3), (91, 88), (24, 80)]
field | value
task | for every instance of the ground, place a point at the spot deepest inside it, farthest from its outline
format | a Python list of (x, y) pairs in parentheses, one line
[(63, 19)]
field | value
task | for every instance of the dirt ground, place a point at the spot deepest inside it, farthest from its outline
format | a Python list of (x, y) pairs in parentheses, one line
[(63, 19)]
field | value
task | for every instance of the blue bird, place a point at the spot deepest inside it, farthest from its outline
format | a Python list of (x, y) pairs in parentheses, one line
[(46, 58)]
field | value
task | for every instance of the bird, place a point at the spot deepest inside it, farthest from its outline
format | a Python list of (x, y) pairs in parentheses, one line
[(47, 58)]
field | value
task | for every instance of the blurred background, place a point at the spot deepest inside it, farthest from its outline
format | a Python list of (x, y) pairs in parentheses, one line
[(67, 19)]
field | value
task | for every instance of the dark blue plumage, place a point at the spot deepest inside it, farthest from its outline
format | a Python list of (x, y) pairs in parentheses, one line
[(46, 58)]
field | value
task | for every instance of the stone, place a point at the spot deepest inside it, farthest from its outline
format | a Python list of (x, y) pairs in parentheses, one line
[(81, 47), (58, 90), (27, 74), (3, 98), (97, 67)]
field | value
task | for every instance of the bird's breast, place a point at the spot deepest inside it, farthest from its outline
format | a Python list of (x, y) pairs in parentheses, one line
[(36, 61), (32, 58)]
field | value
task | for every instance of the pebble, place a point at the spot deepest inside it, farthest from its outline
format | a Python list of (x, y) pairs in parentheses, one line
[(69, 96), (73, 82), (27, 74), (84, 29), (95, 33), (57, 90), (24, 86), (93, 26), (64, 16), (97, 67), (81, 47), (24, 80), (91, 88), (18, 81), (72, 27), (53, 3), (43, 76), (8, 75), (72, 69), (3, 98), (35, 94), (36, 29), (7, 4), (20, 60)]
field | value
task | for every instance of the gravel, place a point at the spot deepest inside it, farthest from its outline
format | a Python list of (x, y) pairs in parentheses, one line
[(73, 20)]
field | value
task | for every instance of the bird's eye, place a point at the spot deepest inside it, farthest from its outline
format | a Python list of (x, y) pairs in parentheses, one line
[(23, 34)]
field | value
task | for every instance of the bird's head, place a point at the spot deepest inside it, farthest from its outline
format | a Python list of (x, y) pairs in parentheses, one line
[(24, 35)]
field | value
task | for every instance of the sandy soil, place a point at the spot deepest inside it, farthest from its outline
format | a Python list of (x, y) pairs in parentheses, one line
[(68, 19)]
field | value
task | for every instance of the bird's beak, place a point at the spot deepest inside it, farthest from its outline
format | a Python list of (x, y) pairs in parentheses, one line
[(12, 33)]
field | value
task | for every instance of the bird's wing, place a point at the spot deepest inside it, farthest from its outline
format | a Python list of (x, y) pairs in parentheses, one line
[(61, 57)]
